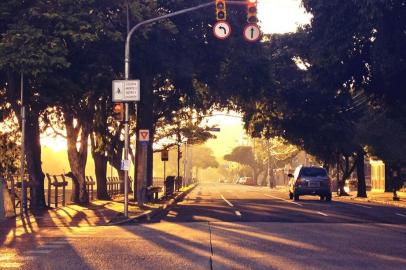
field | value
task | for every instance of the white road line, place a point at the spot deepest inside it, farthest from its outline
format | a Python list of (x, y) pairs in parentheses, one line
[(230, 204), (60, 242), (359, 205), (39, 251), (323, 214), (53, 245), (238, 213), (283, 200), (400, 215)]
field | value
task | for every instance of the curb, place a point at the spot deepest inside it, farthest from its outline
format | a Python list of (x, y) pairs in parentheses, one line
[(388, 203), (150, 213)]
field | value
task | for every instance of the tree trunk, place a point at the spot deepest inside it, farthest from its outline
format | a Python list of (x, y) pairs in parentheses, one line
[(341, 182), (255, 174), (33, 158), (362, 189), (32, 143), (77, 157), (100, 163), (116, 163), (347, 171), (145, 120)]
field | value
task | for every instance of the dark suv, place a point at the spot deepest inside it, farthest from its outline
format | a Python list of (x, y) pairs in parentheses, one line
[(310, 181)]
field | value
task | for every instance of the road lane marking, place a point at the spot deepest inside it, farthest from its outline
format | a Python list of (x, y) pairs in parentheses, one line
[(359, 205), (62, 241), (323, 214), (283, 200), (52, 245), (230, 204), (39, 251), (238, 213), (400, 215)]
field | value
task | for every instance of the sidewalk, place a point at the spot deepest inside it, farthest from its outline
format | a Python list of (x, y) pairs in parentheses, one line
[(372, 196), (97, 213), (379, 197)]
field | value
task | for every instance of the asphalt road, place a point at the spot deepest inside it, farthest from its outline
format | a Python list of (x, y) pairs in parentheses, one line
[(225, 226)]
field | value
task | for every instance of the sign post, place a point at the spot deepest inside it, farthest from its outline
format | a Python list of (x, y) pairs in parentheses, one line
[(143, 138), (164, 158), (126, 91)]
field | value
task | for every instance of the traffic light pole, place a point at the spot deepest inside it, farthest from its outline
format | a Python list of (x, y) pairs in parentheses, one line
[(127, 73), (126, 157)]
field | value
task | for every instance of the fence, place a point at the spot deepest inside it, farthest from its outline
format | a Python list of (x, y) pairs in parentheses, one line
[(113, 186), (56, 181), (90, 183), (14, 186)]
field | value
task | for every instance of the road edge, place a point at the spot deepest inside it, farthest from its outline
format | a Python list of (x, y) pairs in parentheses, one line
[(148, 214)]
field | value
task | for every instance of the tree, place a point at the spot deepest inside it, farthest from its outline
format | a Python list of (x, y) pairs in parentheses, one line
[(203, 158), (39, 51), (9, 159), (245, 155)]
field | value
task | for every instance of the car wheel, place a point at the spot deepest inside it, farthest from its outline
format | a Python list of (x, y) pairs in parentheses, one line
[(322, 198), (296, 197), (290, 195), (328, 197)]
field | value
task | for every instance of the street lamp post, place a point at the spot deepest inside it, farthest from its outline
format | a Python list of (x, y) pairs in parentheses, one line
[(23, 204), (127, 73)]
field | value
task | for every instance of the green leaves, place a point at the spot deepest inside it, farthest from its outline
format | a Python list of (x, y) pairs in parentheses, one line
[(28, 49), (9, 158)]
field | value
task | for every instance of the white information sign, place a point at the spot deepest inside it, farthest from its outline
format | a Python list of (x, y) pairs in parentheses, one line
[(222, 30), (143, 135), (125, 165), (252, 33), (126, 90)]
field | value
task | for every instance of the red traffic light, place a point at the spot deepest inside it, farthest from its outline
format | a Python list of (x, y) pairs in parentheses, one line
[(118, 111)]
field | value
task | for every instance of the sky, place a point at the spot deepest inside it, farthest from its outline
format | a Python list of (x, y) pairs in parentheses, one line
[(281, 16)]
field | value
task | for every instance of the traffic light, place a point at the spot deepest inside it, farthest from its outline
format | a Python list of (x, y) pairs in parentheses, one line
[(221, 13), (252, 11), (118, 111), (180, 155)]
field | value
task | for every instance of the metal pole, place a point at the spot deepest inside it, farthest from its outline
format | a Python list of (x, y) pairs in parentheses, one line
[(23, 204), (126, 151), (126, 135), (127, 53), (164, 170), (184, 165), (178, 160)]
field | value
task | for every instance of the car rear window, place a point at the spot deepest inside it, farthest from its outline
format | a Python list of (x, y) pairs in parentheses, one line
[(313, 172)]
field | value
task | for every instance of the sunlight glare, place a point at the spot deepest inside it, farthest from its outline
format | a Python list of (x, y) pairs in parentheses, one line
[(281, 16)]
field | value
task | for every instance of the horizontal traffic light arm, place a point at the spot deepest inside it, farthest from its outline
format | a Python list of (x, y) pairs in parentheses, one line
[(173, 14), (160, 18)]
